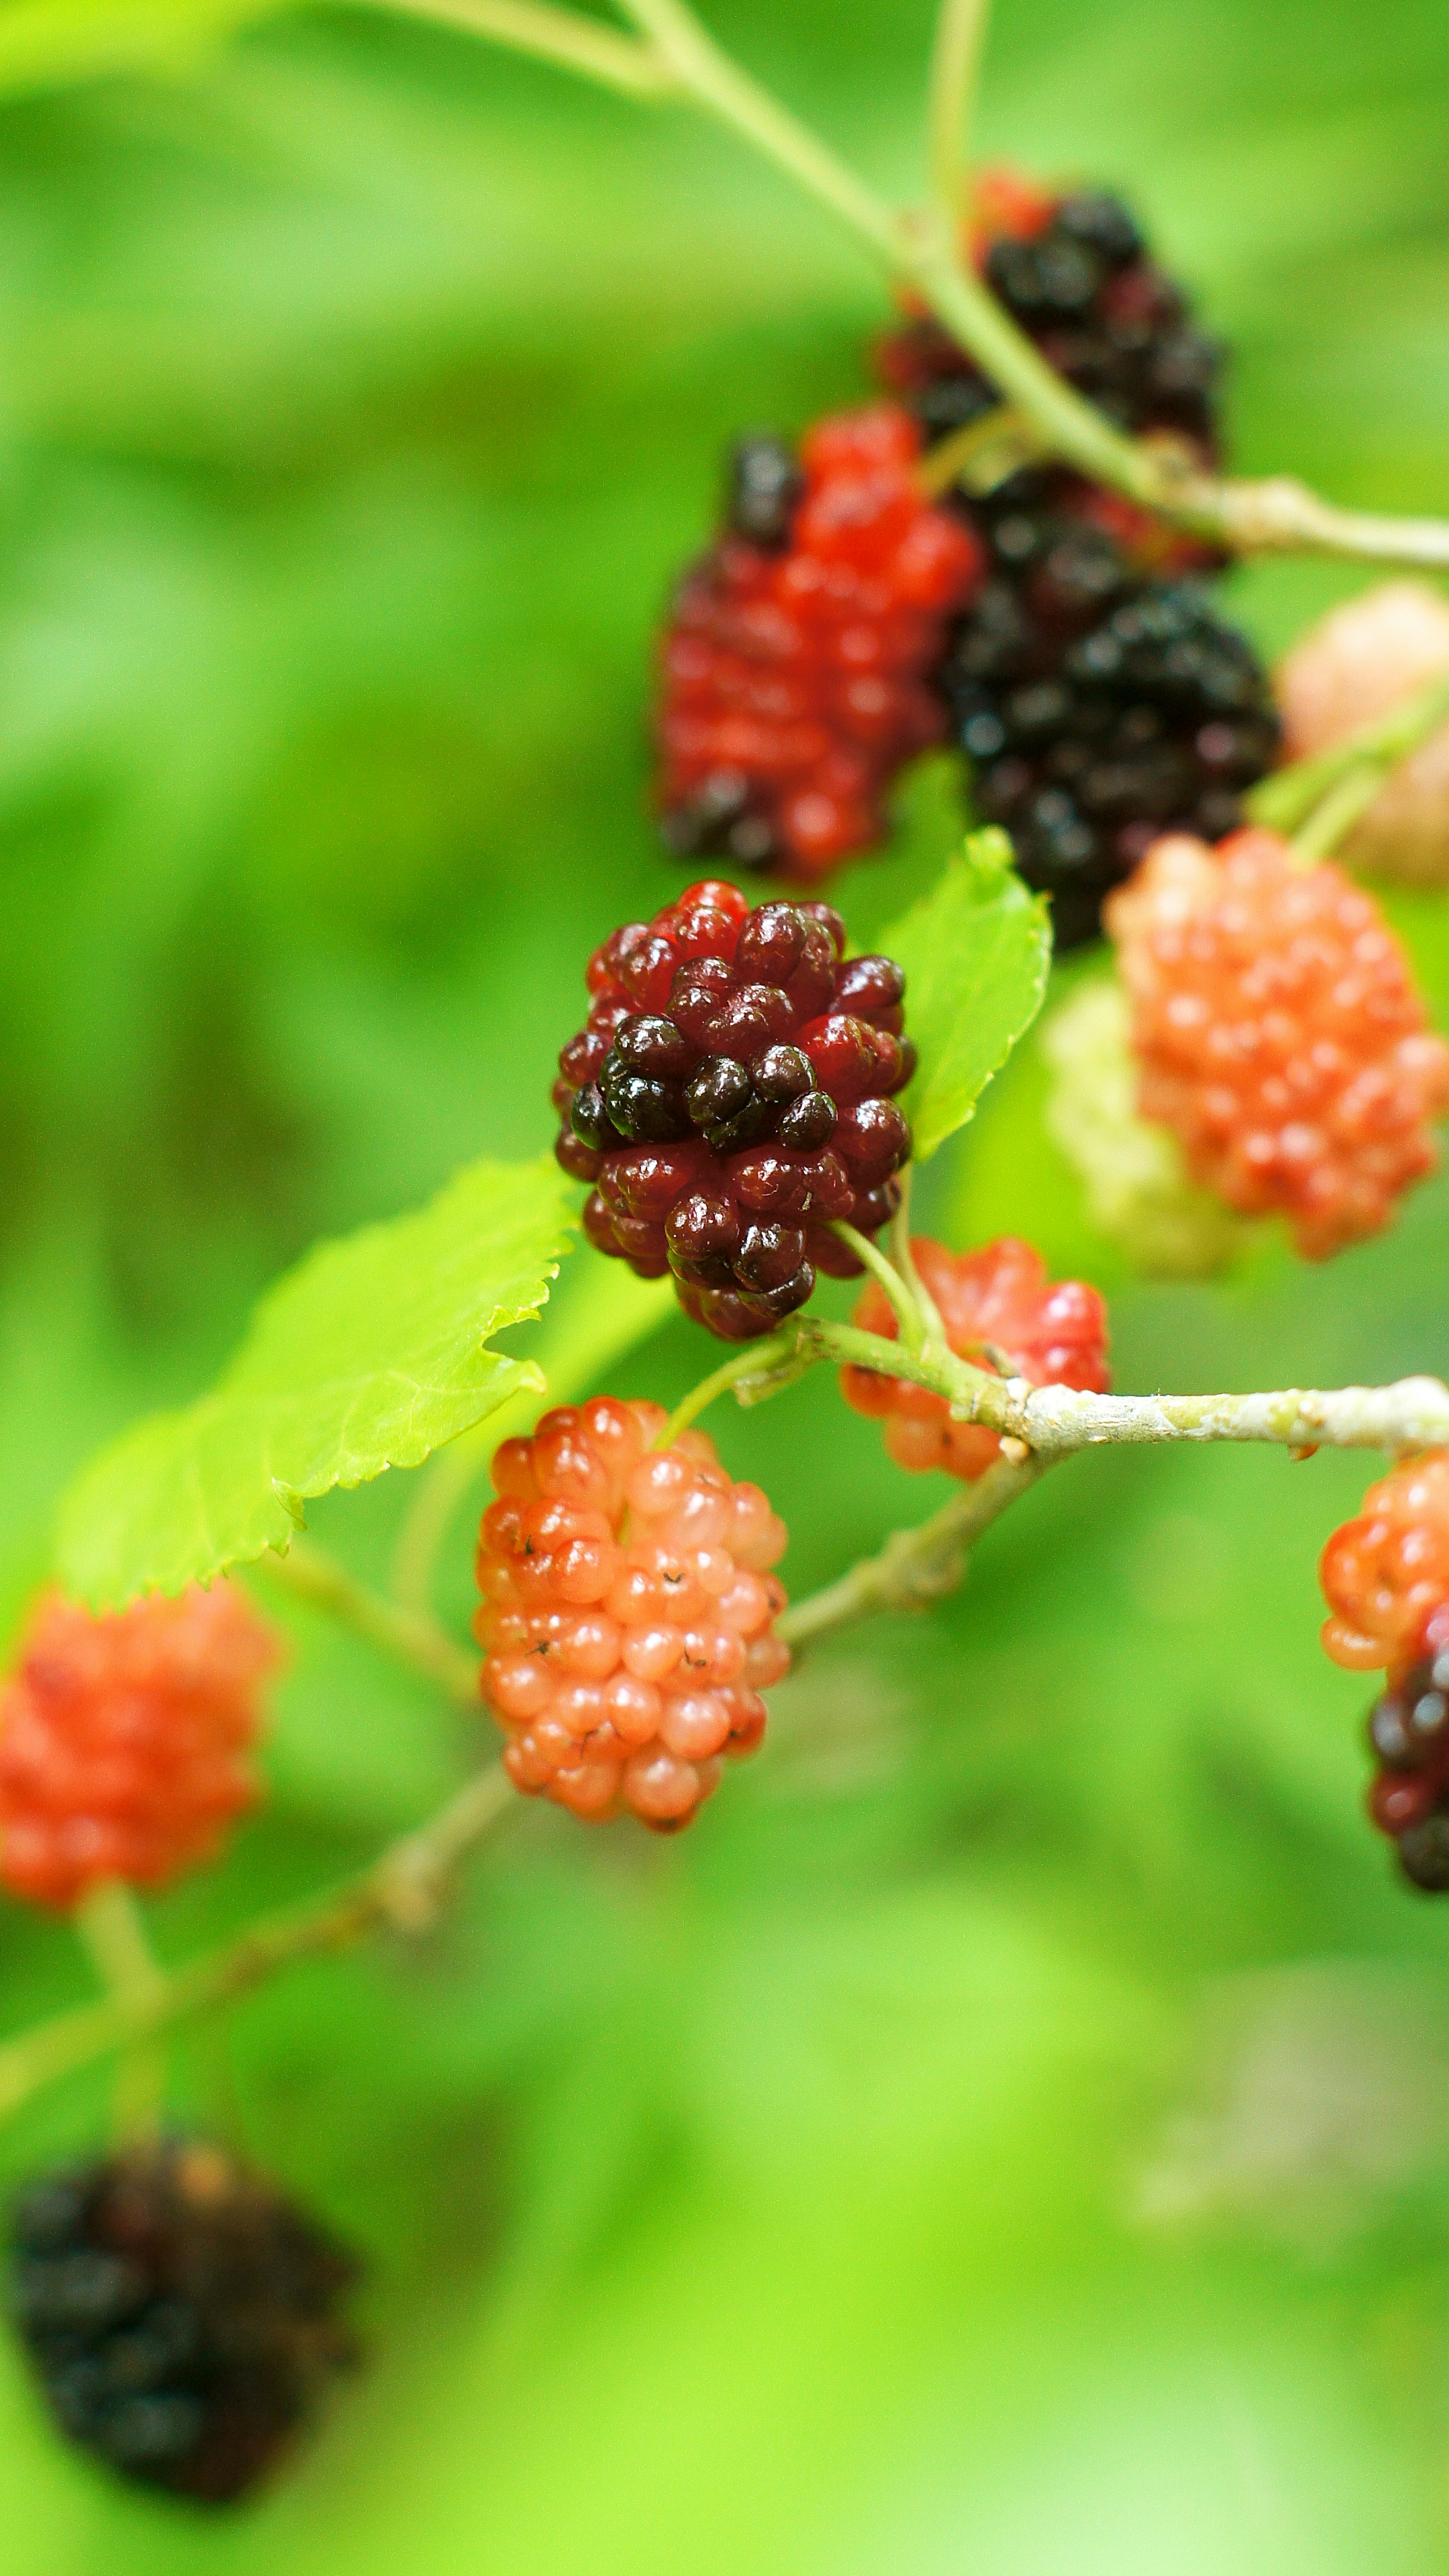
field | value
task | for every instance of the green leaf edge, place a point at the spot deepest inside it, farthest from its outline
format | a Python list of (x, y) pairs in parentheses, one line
[(510, 1378), (988, 852)]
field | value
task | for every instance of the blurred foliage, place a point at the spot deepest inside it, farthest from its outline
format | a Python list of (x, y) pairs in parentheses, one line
[(1010, 2130)]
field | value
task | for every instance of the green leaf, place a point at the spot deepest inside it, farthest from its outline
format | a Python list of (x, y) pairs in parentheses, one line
[(369, 1355), (976, 952)]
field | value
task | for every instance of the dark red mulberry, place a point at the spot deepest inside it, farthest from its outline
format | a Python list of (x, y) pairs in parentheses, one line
[(180, 2313), (726, 1108)]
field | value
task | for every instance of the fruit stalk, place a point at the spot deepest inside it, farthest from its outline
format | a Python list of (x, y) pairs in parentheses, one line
[(109, 1923), (1292, 795), (1275, 514), (408, 1636), (955, 66), (403, 1890), (915, 1566)]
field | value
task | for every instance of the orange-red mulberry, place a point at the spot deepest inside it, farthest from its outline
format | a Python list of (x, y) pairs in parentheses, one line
[(124, 1741), (628, 1613), (1053, 1332), (1280, 1034)]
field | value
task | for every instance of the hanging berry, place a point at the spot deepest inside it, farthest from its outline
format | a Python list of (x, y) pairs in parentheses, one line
[(1098, 710), (730, 1094), (998, 1300), (1280, 1035), (123, 1741), (1385, 1576), (798, 659), (1355, 664), (628, 1613), (180, 2313)]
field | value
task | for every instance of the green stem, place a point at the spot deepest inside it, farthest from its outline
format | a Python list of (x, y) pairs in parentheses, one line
[(410, 1637), (558, 36), (1054, 1421), (904, 1258), (907, 1313), (915, 1566), (1276, 514), (1340, 809), (1289, 796), (109, 1923), (403, 1889), (764, 1361), (441, 1487), (981, 455), (955, 66)]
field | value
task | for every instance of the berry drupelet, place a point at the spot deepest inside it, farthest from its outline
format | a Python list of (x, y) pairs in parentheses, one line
[(799, 652), (1385, 1576), (732, 1093), (996, 1300), (1279, 1034), (628, 1613), (1098, 710), (181, 2315), (124, 1741)]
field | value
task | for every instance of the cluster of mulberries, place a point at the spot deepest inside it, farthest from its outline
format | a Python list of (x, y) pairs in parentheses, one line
[(1385, 1575), (628, 1613), (998, 1307), (180, 2314), (124, 1741), (730, 1095), (1279, 1034), (797, 664), (843, 620)]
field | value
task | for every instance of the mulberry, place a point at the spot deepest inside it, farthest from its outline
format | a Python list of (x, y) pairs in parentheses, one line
[(180, 2313), (798, 660), (123, 1741), (1408, 1734), (731, 1094), (1279, 1034), (996, 1300), (1385, 1573), (628, 1613), (1098, 710)]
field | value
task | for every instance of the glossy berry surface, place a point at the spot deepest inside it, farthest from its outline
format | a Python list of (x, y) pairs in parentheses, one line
[(730, 1096), (1385, 1573), (627, 1615), (1097, 710), (124, 1741), (998, 1300), (180, 2314), (798, 659), (1356, 663), (1279, 1034)]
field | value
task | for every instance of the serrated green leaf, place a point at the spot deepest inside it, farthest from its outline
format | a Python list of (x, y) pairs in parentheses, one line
[(369, 1355), (976, 952)]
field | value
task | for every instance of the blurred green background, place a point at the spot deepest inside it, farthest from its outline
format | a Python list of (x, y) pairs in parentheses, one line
[(1011, 2132)]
